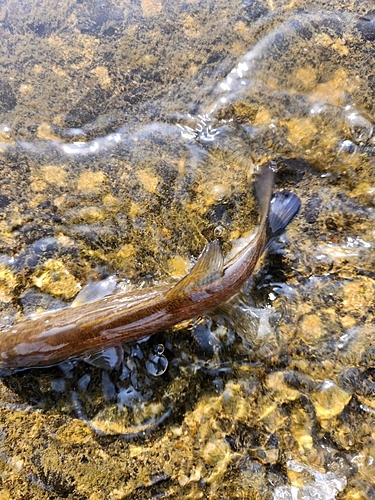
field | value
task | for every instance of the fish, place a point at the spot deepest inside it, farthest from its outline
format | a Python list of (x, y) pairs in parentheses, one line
[(125, 316)]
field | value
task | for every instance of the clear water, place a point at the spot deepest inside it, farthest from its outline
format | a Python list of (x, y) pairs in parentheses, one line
[(129, 137)]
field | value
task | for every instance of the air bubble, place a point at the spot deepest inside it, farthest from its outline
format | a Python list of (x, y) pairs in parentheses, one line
[(346, 150), (219, 192), (159, 349), (156, 365), (218, 231), (5, 132), (360, 128)]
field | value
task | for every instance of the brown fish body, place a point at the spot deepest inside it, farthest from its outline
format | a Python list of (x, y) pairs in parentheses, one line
[(125, 316)]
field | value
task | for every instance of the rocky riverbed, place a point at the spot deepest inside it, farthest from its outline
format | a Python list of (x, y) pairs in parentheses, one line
[(130, 133)]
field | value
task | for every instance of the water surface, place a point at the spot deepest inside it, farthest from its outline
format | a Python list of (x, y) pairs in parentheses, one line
[(129, 136)]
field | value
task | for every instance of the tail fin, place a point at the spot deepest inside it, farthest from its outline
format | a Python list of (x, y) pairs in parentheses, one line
[(284, 207)]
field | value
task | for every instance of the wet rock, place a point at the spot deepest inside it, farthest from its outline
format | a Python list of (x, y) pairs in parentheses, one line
[(359, 294), (313, 483), (8, 99), (4, 201), (87, 109), (142, 198), (301, 429), (330, 400), (283, 392), (311, 208), (312, 329), (55, 279), (367, 28), (365, 461), (350, 379)]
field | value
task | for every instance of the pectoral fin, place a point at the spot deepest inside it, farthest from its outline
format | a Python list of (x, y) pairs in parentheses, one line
[(207, 269), (107, 359), (95, 291)]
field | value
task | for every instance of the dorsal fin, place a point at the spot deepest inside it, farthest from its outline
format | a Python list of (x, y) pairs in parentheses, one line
[(207, 269)]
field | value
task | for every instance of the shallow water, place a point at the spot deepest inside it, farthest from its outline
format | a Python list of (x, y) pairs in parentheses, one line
[(129, 136)]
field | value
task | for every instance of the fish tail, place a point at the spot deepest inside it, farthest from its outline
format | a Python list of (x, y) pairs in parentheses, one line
[(264, 188), (283, 207)]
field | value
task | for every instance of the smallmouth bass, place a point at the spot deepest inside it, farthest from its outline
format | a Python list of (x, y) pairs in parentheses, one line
[(125, 316)]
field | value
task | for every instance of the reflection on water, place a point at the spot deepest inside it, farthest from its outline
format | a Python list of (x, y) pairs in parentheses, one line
[(129, 135)]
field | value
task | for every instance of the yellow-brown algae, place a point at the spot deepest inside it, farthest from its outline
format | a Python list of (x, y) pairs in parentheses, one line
[(330, 400), (91, 182), (358, 295), (54, 278), (148, 179), (178, 266), (311, 329), (154, 66), (151, 7)]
